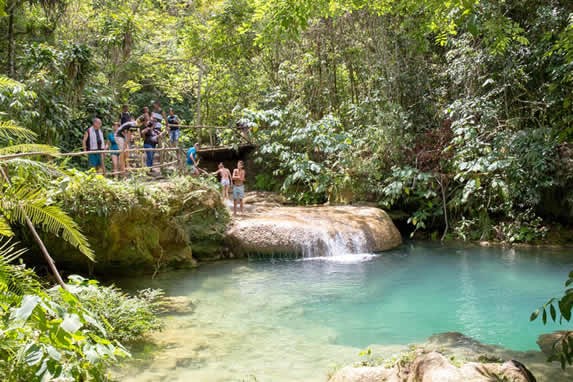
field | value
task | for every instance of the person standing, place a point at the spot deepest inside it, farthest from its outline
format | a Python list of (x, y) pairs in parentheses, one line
[(112, 144), (94, 141), (238, 186), (173, 124), (158, 115), (192, 160), (122, 137), (150, 139), (125, 115), (145, 117), (225, 179)]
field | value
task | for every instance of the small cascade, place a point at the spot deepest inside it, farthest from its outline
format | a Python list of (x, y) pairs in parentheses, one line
[(324, 242), (314, 232)]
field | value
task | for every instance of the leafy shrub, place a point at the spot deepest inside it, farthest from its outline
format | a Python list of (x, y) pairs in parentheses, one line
[(49, 336), (69, 334), (130, 318)]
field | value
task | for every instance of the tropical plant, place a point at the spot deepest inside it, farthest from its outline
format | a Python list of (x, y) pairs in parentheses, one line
[(130, 318), (47, 338), (559, 309), (23, 201)]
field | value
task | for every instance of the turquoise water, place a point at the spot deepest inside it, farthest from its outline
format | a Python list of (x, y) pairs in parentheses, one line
[(288, 319)]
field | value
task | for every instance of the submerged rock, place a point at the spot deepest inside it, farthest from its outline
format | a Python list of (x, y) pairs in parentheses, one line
[(175, 305), (314, 231)]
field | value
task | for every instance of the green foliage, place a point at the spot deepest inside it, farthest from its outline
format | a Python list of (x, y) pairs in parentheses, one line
[(139, 224), (51, 335), (21, 183), (129, 318), (559, 309)]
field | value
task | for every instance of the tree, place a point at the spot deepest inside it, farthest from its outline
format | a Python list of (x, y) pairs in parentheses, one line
[(22, 201)]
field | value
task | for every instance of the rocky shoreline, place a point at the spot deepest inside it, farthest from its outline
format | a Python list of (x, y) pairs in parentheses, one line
[(452, 357)]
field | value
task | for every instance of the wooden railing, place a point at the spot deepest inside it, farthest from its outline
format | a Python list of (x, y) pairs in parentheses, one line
[(169, 157), (176, 161)]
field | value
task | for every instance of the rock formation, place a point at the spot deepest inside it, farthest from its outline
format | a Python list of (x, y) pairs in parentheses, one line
[(313, 231)]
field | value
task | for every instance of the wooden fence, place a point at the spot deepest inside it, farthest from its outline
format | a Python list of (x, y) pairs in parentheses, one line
[(176, 161)]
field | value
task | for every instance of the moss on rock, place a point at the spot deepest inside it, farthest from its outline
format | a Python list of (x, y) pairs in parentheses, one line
[(141, 226)]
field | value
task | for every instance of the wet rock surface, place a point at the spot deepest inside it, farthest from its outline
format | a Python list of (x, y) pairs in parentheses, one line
[(434, 367), (313, 231), (452, 357)]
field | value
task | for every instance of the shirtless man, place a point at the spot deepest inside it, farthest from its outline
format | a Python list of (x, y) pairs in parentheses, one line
[(238, 186), (225, 179)]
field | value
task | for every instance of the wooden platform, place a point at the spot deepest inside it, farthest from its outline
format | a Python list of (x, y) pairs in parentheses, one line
[(223, 153)]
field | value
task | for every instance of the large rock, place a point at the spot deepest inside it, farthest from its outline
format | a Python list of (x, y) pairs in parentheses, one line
[(314, 231), (136, 227), (434, 367), (551, 342)]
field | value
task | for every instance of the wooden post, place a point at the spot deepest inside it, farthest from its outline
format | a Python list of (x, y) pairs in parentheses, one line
[(199, 84), (178, 156)]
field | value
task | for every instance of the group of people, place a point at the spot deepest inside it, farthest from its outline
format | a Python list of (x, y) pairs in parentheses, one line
[(150, 127), (237, 179)]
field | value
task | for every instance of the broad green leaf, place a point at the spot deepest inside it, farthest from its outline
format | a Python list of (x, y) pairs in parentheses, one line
[(34, 355), (29, 303), (71, 323)]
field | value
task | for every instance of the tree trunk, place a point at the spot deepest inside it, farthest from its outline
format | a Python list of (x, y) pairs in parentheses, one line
[(199, 85), (11, 40), (38, 240)]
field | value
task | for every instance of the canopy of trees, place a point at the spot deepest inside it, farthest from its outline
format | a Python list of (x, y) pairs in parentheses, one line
[(456, 112)]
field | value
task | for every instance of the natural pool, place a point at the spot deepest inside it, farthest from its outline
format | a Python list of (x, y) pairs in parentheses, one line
[(295, 320)]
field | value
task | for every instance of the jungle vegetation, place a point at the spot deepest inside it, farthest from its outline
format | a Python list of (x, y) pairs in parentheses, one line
[(456, 115)]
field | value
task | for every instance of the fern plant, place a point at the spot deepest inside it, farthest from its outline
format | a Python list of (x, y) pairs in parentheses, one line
[(23, 201)]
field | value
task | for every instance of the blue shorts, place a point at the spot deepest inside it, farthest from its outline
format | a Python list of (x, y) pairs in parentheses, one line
[(94, 160), (174, 135), (238, 192)]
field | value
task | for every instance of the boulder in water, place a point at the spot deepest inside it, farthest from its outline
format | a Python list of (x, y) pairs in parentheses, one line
[(314, 231)]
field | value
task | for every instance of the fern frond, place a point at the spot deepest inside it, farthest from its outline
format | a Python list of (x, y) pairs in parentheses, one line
[(47, 169), (15, 280), (5, 229), (10, 131), (9, 252), (21, 203), (29, 148), (7, 83)]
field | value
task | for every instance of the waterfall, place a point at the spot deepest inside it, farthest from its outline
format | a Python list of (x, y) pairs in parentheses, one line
[(313, 232), (325, 242)]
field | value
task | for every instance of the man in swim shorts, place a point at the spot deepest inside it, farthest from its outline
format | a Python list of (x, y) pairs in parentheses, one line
[(225, 179), (238, 186)]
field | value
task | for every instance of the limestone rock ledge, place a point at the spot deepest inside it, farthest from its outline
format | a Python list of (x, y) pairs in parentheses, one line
[(313, 231)]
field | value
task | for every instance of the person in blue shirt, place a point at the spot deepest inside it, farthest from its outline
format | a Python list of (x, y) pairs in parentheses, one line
[(113, 146), (192, 160)]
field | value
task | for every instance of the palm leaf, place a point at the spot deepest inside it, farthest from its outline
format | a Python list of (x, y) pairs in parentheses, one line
[(47, 169), (21, 203), (5, 229), (6, 82), (10, 131), (28, 148), (15, 280)]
